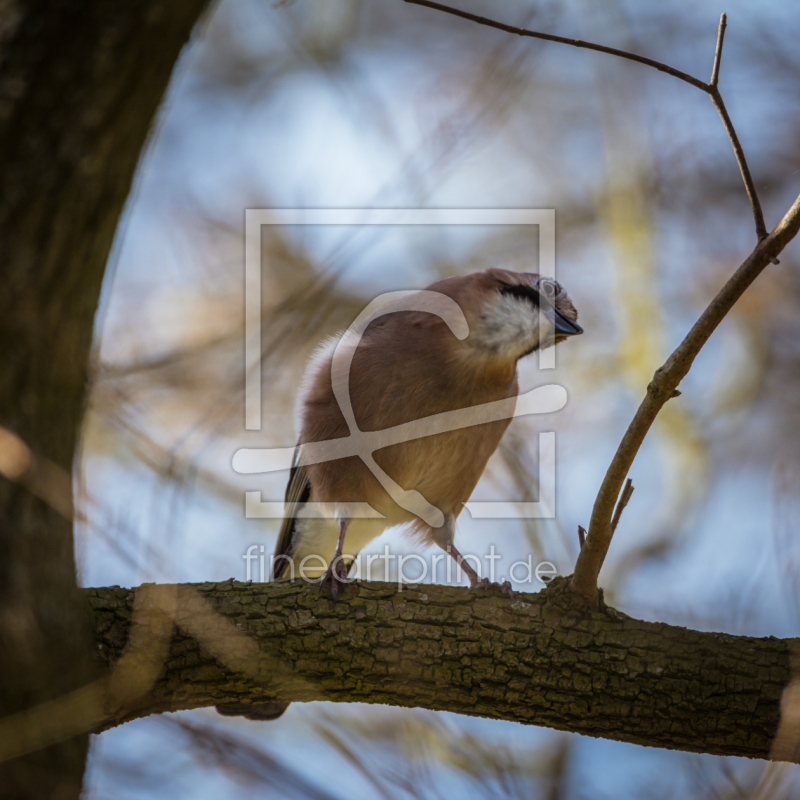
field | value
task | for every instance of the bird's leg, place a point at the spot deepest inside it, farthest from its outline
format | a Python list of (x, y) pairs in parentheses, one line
[(337, 571), (475, 581), (444, 538)]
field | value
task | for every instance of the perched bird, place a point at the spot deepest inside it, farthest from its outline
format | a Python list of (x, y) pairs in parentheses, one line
[(409, 365)]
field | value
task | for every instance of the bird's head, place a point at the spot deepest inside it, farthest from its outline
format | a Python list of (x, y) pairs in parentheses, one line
[(504, 310)]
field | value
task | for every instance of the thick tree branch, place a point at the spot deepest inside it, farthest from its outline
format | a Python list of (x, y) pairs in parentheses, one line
[(543, 659), (661, 388)]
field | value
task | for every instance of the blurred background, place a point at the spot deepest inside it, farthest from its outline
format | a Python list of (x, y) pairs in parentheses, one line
[(360, 104)]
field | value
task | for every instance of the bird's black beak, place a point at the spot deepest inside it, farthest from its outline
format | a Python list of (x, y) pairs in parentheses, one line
[(565, 326)]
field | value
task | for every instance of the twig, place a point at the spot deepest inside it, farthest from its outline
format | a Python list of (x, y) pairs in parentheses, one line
[(623, 501), (710, 89), (581, 536), (660, 390), (749, 186), (723, 23), (716, 98), (549, 37)]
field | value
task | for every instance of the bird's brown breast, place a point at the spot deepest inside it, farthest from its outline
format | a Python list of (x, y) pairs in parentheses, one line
[(390, 385)]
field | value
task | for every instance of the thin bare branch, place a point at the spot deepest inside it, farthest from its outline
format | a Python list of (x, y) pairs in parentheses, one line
[(549, 37), (723, 23), (710, 89), (660, 390), (749, 186), (623, 501), (716, 99)]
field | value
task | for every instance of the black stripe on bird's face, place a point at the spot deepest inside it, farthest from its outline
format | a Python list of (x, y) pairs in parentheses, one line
[(523, 292)]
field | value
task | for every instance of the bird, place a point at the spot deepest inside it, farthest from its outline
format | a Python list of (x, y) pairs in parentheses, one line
[(408, 365)]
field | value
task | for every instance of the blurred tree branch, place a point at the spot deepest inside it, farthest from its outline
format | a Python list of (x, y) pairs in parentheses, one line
[(539, 659)]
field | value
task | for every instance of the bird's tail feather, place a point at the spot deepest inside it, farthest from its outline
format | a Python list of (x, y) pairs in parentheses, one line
[(298, 492)]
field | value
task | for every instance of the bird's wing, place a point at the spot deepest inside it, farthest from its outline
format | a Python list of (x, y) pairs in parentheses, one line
[(298, 491)]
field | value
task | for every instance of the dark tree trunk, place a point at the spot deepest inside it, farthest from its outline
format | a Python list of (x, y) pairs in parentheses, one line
[(80, 83)]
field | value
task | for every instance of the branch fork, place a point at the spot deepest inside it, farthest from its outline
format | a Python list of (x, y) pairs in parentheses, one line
[(664, 385)]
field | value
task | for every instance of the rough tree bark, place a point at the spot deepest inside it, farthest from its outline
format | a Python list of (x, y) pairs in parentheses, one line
[(80, 83), (543, 659)]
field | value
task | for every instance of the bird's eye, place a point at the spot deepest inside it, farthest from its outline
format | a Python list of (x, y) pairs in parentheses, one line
[(548, 288)]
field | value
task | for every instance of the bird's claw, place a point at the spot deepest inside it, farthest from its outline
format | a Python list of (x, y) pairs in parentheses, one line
[(336, 574), (486, 585)]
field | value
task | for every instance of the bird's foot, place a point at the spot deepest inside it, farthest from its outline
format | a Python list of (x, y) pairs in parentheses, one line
[(336, 574), (486, 585)]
